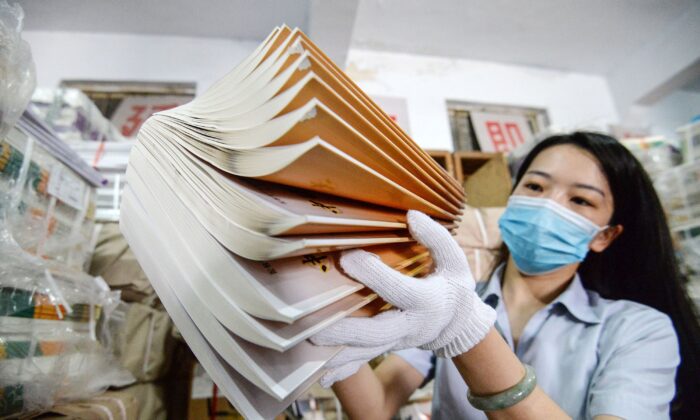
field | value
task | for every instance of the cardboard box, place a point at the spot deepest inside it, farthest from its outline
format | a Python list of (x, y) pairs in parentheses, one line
[(107, 406), (485, 177)]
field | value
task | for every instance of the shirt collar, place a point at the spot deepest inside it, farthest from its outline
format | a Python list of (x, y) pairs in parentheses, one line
[(579, 302), (576, 299)]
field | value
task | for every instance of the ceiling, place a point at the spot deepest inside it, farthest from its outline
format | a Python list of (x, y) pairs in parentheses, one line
[(241, 19), (692, 86), (590, 36)]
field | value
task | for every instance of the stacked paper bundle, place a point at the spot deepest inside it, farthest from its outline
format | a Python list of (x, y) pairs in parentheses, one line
[(47, 195), (34, 126), (237, 203), (52, 315), (79, 123), (52, 321)]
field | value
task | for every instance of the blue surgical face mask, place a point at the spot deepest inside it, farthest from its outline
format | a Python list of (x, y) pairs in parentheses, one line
[(543, 236)]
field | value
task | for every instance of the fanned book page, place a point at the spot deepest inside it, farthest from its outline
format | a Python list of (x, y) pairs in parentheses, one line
[(268, 208), (239, 204)]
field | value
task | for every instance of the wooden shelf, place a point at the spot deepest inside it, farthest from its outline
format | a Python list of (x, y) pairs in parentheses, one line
[(444, 159)]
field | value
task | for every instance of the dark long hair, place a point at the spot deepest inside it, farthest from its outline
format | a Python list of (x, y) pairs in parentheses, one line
[(641, 264)]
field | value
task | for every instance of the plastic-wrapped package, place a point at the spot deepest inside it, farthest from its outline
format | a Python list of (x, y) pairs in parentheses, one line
[(17, 73), (142, 401), (688, 244), (114, 261), (110, 159), (142, 340), (679, 191), (480, 238), (77, 121), (51, 323), (656, 154), (687, 240), (694, 290), (109, 197), (690, 141), (74, 116), (49, 209)]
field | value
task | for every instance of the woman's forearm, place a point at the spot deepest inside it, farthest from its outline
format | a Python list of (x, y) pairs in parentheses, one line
[(488, 368), (379, 393), (361, 394), (491, 367)]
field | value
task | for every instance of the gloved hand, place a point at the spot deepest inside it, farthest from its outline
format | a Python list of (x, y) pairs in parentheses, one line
[(440, 312)]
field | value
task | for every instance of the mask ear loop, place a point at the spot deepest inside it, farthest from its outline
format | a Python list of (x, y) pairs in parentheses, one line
[(600, 230)]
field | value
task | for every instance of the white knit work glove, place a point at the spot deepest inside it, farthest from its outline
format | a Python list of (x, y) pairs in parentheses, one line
[(440, 312)]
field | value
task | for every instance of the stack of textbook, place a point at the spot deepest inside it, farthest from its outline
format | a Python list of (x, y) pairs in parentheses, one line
[(238, 203)]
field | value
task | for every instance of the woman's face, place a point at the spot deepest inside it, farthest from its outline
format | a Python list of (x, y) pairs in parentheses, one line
[(573, 178)]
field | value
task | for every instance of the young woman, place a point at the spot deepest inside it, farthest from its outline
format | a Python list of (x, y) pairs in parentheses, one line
[(585, 317)]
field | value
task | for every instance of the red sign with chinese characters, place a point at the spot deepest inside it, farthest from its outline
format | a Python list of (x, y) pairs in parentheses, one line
[(500, 132), (134, 110)]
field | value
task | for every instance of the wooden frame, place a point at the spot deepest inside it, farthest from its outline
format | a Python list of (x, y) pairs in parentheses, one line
[(466, 163), (444, 159)]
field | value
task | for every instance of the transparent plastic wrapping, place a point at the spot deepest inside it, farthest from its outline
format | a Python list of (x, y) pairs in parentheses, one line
[(111, 160), (53, 321), (694, 290), (688, 244), (679, 191), (109, 197), (74, 116), (690, 141), (77, 121), (17, 73), (656, 154), (49, 209)]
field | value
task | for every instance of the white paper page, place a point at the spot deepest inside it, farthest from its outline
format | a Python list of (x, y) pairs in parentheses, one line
[(242, 70), (249, 400), (276, 335), (276, 373), (286, 295), (245, 242), (256, 77), (268, 208)]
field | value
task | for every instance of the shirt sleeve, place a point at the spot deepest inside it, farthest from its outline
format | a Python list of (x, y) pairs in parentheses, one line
[(635, 378), (421, 360)]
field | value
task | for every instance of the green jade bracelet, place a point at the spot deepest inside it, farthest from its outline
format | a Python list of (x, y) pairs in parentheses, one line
[(509, 397)]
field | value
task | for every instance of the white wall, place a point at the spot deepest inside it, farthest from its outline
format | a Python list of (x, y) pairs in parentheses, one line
[(665, 116), (102, 56), (573, 100)]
